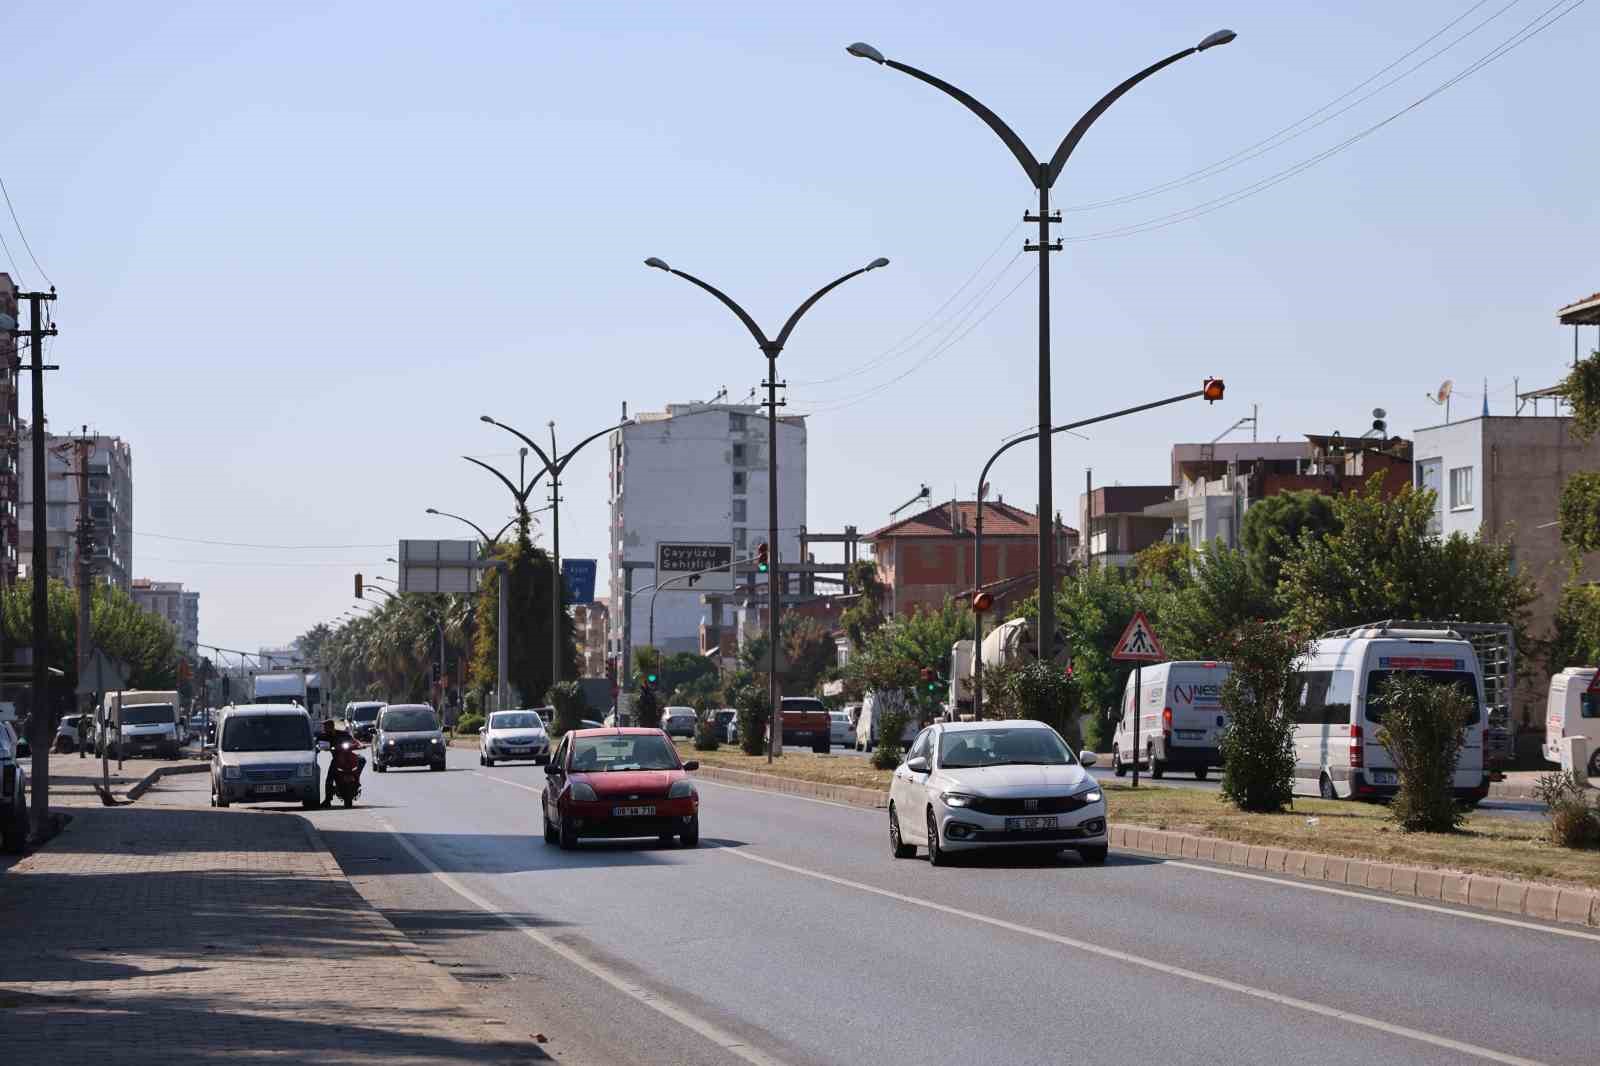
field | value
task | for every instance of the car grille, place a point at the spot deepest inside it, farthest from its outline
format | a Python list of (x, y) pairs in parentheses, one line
[(1042, 805), (268, 773), (413, 747), (1000, 836)]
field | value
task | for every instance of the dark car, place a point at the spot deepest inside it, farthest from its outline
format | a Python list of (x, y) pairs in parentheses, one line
[(362, 719), (408, 734), (619, 783)]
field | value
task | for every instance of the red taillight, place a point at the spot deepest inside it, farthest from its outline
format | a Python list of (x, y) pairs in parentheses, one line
[(1357, 752), (1166, 719)]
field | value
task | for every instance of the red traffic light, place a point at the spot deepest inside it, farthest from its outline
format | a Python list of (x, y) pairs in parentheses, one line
[(358, 586), (1213, 389), (982, 602)]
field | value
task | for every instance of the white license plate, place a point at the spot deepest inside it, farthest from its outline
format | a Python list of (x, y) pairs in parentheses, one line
[(1384, 777), (633, 812), (1024, 824), (519, 751), (1191, 734), (271, 788)]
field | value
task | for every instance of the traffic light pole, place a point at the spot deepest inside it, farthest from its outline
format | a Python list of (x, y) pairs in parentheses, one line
[(659, 585), (1211, 391)]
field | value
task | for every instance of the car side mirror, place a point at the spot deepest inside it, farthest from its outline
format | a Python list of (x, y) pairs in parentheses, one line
[(1088, 758), (482, 729), (918, 765), (692, 764), (551, 769)]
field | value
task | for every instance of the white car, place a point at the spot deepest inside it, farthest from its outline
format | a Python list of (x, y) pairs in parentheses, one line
[(513, 735), (971, 785), (841, 730)]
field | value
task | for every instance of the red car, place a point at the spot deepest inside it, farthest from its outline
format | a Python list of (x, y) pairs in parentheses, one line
[(619, 783)]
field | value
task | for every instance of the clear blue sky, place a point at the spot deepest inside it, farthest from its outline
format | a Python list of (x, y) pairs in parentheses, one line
[(301, 247)]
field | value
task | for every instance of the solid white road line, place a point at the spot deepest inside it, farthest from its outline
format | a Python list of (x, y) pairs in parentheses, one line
[(1150, 964), (730, 1043), (503, 781), (1393, 901)]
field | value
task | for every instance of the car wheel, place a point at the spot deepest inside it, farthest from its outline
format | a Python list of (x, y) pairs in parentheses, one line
[(568, 835), (1093, 855), (485, 760), (936, 855), (690, 837), (1118, 767), (220, 800), (549, 830), (1325, 788), (310, 802), (349, 801), (436, 767), (480, 759), (898, 847), (821, 749), (1200, 774), (1157, 768)]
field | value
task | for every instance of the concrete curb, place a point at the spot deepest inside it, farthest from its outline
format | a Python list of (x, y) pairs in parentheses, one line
[(1542, 900), (148, 781)]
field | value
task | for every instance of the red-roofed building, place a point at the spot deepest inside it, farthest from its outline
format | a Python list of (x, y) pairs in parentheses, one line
[(927, 558)]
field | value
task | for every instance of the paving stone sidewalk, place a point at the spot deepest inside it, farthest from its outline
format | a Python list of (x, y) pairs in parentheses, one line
[(168, 932)]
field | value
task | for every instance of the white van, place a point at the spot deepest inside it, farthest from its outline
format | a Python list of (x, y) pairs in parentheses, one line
[(1180, 724), (1573, 711), (872, 708), (1337, 754)]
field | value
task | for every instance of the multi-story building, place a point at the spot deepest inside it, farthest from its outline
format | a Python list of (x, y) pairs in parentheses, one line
[(926, 559), (592, 624), (696, 473), (110, 507), (1115, 525), (9, 439), (171, 601)]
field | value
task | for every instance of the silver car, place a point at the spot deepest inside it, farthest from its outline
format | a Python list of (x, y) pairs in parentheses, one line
[(513, 735), (841, 730), (408, 734)]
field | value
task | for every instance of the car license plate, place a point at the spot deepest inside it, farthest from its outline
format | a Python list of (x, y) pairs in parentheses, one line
[(272, 788), (1384, 777), (1025, 824), (1191, 734), (633, 812), (519, 751)]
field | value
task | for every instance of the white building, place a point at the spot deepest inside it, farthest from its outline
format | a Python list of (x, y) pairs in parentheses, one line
[(169, 600), (109, 474), (696, 473)]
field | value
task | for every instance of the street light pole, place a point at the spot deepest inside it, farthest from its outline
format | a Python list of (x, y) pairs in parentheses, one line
[(1211, 390), (771, 348), (1043, 174)]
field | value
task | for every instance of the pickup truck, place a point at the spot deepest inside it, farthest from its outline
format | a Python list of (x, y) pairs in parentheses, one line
[(806, 721)]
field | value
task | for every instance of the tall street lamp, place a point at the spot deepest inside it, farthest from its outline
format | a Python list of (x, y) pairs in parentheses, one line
[(1211, 391), (771, 348), (1043, 174), (554, 463), (488, 541)]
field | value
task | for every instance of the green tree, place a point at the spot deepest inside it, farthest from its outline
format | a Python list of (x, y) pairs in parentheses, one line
[(1424, 723), (1222, 592), (1274, 527), (1260, 696), (1575, 638), (1581, 389), (1580, 513), (1094, 608), (865, 616), (1035, 690), (895, 654), (531, 584), (810, 651)]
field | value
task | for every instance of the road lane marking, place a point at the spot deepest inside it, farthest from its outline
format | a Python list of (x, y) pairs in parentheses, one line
[(1392, 901), (730, 1043), (1278, 998), (802, 799), (503, 781)]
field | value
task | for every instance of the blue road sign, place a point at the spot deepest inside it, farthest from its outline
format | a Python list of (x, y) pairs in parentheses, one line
[(578, 577)]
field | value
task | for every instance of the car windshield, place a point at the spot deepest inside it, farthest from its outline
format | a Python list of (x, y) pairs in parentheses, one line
[(642, 751), (966, 748), (148, 714), (726, 716), (266, 732), (839, 716), (1378, 683), (365, 714), (409, 720), (515, 720)]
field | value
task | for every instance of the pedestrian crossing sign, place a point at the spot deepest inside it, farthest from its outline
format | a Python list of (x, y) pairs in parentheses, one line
[(1139, 642)]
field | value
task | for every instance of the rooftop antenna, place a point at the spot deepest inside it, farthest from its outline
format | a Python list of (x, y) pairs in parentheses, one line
[(1441, 398), (924, 493)]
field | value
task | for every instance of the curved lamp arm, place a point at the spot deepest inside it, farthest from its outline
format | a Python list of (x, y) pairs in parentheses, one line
[(749, 323), (1052, 169), (468, 521), (788, 327), (561, 464), (544, 456), (520, 496)]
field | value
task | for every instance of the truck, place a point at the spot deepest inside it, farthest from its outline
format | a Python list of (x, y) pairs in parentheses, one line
[(288, 686), (141, 722), (806, 721), (959, 703)]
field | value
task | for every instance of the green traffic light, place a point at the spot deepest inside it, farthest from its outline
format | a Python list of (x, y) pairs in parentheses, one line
[(650, 678), (761, 567)]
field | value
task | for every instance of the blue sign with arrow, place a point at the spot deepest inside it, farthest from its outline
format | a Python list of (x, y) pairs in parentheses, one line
[(578, 577)]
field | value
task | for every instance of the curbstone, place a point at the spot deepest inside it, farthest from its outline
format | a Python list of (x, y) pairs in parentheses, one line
[(1295, 863), (1275, 859), (148, 781), (1511, 897), (1456, 888), (1574, 905), (1240, 855), (1256, 858), (1430, 884), (1483, 891), (1191, 847), (1207, 849), (1316, 865), (1540, 902), (1380, 875), (1335, 869), (1356, 873)]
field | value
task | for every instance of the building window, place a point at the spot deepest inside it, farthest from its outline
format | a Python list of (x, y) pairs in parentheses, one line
[(735, 422), (1197, 531), (738, 510), (739, 483), (738, 455), (1461, 488), (1428, 474), (741, 539)]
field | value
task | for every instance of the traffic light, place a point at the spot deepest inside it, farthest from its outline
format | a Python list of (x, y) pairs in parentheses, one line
[(982, 602), (761, 557), (358, 586), (650, 679), (930, 679), (436, 673), (1213, 389)]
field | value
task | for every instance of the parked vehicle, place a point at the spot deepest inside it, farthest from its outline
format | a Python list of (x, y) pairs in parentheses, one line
[(408, 734), (265, 754), (968, 785), (959, 700), (806, 722), (1342, 682), (872, 709), (1572, 710), (142, 723), (841, 730), (361, 718), (13, 784), (678, 721), (513, 735), (66, 734), (1180, 724), (725, 722), (619, 783)]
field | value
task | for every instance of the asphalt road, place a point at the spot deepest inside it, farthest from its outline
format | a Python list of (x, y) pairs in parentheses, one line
[(791, 936)]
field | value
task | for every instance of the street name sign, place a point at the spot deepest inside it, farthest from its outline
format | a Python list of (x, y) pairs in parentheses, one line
[(578, 577), (681, 560), (1139, 643)]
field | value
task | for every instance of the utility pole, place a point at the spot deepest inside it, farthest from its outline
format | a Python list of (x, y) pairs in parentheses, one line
[(84, 445), (39, 573), (556, 589), (774, 580)]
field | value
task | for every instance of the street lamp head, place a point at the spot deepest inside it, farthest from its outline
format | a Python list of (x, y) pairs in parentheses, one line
[(486, 418), (1220, 37), (878, 262), (659, 264), (432, 511), (865, 51)]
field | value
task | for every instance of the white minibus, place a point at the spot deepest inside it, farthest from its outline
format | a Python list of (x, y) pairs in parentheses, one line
[(1181, 723)]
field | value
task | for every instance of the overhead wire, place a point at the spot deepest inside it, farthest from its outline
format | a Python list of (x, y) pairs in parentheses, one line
[(239, 544), (6, 193)]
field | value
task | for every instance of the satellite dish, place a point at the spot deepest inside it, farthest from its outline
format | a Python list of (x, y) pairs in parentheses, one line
[(1378, 412), (1445, 389)]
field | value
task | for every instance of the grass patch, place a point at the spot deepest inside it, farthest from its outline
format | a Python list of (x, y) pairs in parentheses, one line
[(824, 769)]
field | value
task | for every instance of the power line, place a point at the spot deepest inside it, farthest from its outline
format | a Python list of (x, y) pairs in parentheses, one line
[(1293, 130), (1538, 24), (23, 235), (253, 562), (238, 544)]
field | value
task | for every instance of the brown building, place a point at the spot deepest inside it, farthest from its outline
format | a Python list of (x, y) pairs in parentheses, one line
[(927, 558), (1116, 526)]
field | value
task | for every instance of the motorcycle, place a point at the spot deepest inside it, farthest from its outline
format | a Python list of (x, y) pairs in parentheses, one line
[(347, 772)]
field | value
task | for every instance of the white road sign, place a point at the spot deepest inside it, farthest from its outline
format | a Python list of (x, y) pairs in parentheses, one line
[(682, 560)]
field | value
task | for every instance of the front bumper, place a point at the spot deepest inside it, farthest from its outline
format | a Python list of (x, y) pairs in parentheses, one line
[(1178, 756), (294, 791), (537, 752), (598, 819), (961, 828), (398, 756)]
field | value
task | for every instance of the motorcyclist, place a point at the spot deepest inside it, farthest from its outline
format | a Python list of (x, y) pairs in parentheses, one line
[(336, 737)]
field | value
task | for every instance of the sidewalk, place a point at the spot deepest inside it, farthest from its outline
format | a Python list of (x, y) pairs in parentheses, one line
[(167, 931)]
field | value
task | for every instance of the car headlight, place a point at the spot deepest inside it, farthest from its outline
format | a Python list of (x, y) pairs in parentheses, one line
[(582, 793), (1091, 794), (308, 769), (957, 799), (433, 740), (681, 790), (232, 773), (388, 743)]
